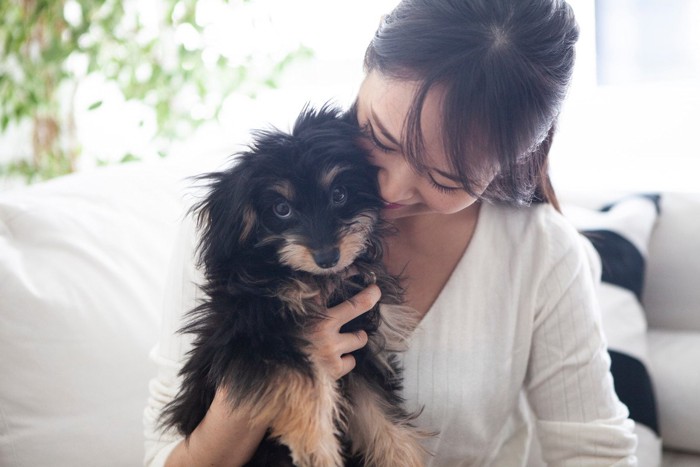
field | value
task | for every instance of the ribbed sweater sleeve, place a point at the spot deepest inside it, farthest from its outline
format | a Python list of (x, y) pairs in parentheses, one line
[(181, 296), (579, 420)]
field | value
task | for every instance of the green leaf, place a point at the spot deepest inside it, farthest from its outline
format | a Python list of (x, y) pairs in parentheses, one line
[(129, 157), (95, 105)]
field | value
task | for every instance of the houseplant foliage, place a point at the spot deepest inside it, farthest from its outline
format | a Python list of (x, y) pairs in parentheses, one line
[(48, 47)]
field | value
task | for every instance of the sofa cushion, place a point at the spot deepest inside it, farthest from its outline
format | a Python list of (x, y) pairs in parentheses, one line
[(82, 272), (620, 233), (671, 296)]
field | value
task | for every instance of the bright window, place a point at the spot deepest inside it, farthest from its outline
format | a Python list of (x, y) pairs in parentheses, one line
[(647, 41), (631, 120)]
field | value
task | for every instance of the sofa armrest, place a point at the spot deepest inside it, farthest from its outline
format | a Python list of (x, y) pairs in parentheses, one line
[(83, 263)]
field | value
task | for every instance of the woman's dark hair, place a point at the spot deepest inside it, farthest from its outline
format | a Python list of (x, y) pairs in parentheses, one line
[(504, 67)]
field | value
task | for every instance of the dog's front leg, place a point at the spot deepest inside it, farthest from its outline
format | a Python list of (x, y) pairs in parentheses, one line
[(380, 433), (307, 414)]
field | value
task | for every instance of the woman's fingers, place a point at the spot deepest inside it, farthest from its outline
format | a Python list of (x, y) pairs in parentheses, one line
[(347, 364), (351, 341), (354, 307), (331, 348), (342, 363), (354, 341)]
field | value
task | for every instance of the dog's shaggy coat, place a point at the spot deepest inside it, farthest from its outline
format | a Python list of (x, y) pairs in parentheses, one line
[(291, 228)]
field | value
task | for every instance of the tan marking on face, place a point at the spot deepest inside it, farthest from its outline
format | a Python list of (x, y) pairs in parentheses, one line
[(284, 188), (355, 237), (352, 243), (298, 257), (327, 178)]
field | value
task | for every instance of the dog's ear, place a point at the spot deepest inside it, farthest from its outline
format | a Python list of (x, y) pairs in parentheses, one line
[(226, 218)]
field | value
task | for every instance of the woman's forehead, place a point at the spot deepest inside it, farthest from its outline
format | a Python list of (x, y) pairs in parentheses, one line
[(386, 102), (390, 99)]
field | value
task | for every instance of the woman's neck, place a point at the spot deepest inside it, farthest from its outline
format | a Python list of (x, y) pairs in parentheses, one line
[(430, 233), (425, 251)]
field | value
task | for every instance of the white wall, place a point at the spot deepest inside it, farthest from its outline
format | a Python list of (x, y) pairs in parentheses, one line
[(630, 137)]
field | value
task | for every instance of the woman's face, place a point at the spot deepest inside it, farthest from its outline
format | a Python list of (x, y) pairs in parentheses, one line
[(382, 107)]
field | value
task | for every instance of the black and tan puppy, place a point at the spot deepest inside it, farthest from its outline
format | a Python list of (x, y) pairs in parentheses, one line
[(291, 228)]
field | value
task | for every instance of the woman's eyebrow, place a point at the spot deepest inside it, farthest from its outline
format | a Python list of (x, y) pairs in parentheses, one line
[(378, 123)]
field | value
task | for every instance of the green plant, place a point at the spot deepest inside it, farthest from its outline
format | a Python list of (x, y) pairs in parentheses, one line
[(48, 47)]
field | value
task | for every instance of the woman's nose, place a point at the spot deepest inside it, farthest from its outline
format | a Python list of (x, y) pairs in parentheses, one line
[(396, 181)]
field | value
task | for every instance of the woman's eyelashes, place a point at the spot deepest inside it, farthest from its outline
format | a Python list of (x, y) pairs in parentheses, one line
[(369, 131), (443, 188)]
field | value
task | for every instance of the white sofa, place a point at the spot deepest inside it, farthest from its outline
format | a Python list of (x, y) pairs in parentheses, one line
[(83, 261)]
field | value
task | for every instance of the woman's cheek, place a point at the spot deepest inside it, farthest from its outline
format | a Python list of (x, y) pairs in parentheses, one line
[(451, 203)]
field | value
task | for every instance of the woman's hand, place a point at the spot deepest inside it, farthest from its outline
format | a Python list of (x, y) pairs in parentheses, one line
[(224, 438), (210, 443), (332, 349)]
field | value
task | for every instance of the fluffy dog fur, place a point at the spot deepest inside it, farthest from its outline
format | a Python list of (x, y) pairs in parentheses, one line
[(282, 232)]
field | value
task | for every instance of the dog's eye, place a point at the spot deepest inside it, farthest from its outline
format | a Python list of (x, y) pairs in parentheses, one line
[(282, 209), (339, 195)]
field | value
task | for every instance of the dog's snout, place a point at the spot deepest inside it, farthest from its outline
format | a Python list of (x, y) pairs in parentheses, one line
[(327, 258)]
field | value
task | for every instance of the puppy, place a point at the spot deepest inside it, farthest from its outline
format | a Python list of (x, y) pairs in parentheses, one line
[(289, 230)]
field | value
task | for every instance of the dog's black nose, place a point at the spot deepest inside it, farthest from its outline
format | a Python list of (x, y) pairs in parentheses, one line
[(327, 258)]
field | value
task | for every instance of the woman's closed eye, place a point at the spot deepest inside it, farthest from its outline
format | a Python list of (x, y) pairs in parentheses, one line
[(369, 131), (444, 188)]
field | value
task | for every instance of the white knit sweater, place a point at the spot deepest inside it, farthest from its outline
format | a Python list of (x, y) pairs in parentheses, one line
[(517, 326), (512, 347)]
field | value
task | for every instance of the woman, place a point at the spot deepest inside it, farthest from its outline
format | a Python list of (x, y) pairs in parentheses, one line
[(459, 104)]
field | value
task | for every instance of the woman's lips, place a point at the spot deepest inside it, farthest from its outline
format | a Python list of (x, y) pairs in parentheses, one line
[(392, 206)]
